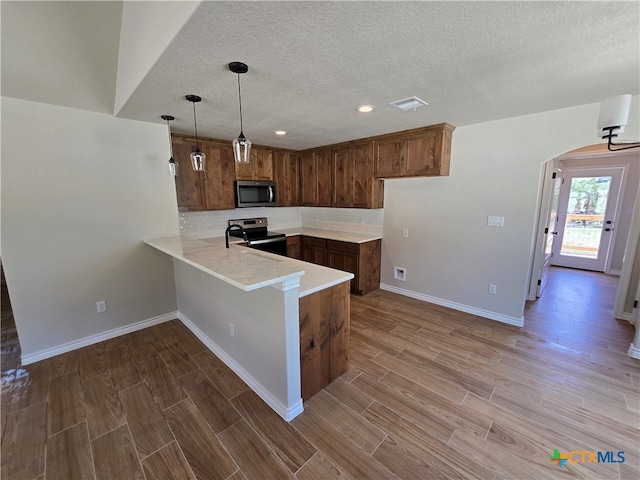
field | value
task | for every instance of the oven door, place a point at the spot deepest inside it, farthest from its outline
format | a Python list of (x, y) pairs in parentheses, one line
[(271, 245)]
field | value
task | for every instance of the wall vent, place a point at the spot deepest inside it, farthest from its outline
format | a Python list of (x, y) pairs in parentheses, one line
[(410, 103)]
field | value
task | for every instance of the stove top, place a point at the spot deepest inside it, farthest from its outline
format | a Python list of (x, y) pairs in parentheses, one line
[(255, 228)]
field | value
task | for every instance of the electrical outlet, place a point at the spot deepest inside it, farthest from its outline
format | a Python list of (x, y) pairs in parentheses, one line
[(101, 306), (405, 232), (493, 289), (232, 330), (400, 273)]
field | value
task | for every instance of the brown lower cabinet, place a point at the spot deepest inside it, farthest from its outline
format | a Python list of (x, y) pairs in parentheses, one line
[(361, 259), (294, 247), (324, 338), (314, 250)]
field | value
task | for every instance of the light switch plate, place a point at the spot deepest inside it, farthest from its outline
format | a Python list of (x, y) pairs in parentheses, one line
[(495, 221)]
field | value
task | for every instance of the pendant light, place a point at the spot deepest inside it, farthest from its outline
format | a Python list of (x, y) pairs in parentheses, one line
[(241, 145), (197, 157), (172, 166)]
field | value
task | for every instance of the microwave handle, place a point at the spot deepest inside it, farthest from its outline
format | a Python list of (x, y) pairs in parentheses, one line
[(270, 194)]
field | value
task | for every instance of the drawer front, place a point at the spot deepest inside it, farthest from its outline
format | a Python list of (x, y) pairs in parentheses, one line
[(343, 246), (314, 242)]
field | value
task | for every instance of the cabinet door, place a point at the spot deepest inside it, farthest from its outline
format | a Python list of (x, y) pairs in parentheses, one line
[(343, 177), (286, 167), (189, 184), (262, 160), (389, 157), (347, 262), (316, 178), (421, 154), (345, 256), (260, 166), (314, 250), (324, 177), (293, 247), (308, 179), (367, 191), (218, 176)]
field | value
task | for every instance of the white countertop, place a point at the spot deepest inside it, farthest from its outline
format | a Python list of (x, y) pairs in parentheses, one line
[(246, 268), (330, 234)]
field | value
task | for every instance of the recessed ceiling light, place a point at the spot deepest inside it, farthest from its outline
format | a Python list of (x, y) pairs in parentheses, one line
[(410, 103), (366, 108), (280, 132)]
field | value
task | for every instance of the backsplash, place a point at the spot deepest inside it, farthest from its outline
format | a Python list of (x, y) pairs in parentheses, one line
[(352, 220), (213, 223)]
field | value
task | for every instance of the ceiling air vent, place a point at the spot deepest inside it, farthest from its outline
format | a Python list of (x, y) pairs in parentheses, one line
[(410, 103)]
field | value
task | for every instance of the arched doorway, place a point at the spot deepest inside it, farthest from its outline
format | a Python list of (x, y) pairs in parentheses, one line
[(622, 254)]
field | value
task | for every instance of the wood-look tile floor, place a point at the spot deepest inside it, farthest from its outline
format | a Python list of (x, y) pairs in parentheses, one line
[(431, 393)]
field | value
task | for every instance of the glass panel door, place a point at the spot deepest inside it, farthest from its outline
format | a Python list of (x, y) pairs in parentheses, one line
[(586, 217)]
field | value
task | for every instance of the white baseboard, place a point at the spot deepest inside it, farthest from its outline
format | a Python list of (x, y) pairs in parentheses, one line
[(288, 413), (634, 351), (101, 337), (628, 316), (518, 322)]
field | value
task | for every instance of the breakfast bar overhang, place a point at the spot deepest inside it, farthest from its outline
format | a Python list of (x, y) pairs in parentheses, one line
[(244, 305)]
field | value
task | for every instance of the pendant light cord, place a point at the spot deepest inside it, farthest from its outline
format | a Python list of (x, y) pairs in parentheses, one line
[(170, 142), (240, 102), (195, 123)]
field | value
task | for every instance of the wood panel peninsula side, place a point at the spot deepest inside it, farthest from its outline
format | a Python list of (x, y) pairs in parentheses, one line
[(280, 324)]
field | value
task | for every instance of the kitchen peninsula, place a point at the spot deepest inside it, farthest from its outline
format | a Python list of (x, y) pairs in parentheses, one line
[(281, 324)]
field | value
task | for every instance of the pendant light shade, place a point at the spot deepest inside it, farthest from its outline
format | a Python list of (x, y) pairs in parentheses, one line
[(197, 157), (172, 166), (242, 149), (241, 145), (614, 116)]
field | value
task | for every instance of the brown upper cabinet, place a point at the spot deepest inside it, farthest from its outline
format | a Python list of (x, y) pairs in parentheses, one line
[(354, 184), (422, 152), (260, 167), (344, 175), (208, 190), (286, 174), (315, 180)]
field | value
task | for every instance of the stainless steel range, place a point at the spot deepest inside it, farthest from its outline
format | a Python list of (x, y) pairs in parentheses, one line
[(259, 236)]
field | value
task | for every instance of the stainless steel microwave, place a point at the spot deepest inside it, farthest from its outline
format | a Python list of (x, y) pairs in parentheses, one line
[(255, 193)]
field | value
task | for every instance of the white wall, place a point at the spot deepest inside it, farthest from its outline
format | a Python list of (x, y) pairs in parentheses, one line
[(147, 29), (75, 43), (80, 191), (265, 348), (451, 255)]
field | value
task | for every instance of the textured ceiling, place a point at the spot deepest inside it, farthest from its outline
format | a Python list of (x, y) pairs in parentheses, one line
[(312, 63)]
